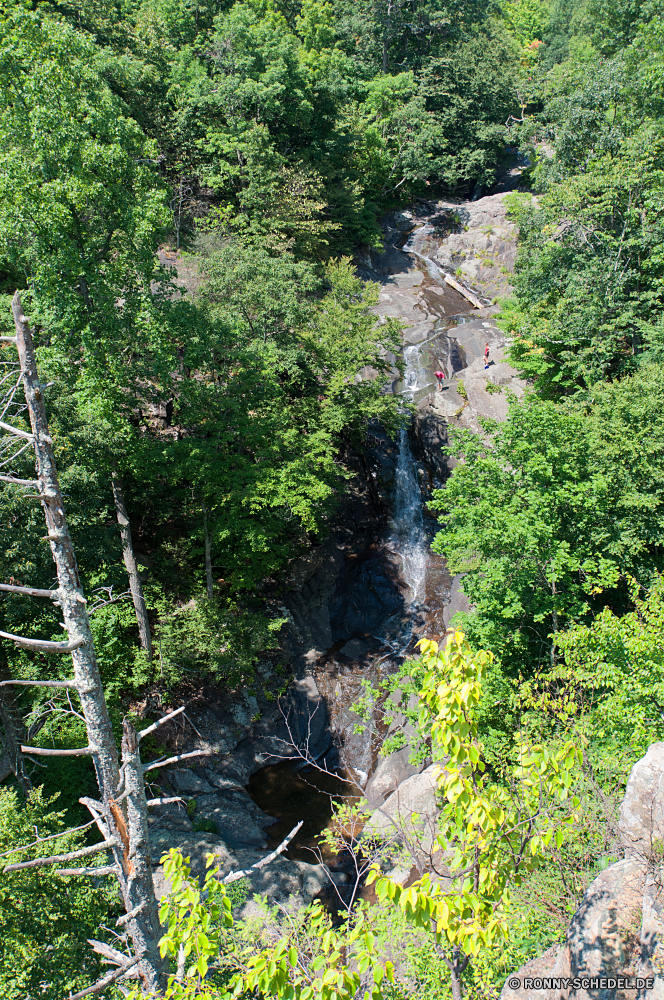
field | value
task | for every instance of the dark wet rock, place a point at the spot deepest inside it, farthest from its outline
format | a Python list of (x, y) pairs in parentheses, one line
[(313, 584), (431, 435), (305, 720), (355, 649), (368, 595)]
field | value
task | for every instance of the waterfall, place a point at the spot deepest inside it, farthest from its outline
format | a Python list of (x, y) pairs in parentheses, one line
[(408, 524)]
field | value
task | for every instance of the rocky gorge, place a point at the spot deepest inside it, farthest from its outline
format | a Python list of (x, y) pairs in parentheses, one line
[(276, 753)]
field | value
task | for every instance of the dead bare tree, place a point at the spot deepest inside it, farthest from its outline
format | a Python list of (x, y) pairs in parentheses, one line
[(121, 812), (15, 736), (209, 586), (131, 565)]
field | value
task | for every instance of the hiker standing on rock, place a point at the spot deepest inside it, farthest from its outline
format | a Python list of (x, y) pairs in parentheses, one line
[(440, 376), (486, 355)]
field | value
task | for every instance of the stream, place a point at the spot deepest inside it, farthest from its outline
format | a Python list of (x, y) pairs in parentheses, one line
[(401, 554)]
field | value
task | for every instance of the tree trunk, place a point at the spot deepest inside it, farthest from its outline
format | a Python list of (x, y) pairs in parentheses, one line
[(554, 622), (386, 37), (457, 967), (14, 737), (145, 926), (208, 556), (72, 602), (131, 565)]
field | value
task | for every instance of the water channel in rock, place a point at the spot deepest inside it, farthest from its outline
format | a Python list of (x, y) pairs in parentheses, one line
[(290, 792)]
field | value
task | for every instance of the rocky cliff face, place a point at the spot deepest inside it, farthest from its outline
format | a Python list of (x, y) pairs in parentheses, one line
[(618, 929), (344, 598)]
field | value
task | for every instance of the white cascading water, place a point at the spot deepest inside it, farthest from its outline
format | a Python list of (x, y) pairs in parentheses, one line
[(408, 525)]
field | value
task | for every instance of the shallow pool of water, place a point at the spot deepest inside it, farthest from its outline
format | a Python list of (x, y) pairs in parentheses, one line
[(291, 795)]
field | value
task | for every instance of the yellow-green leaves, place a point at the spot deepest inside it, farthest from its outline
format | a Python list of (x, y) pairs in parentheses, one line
[(195, 921), (346, 964), (487, 832)]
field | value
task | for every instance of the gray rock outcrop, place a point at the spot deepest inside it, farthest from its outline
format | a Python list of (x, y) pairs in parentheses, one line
[(410, 813), (618, 928), (641, 821), (277, 882), (390, 773)]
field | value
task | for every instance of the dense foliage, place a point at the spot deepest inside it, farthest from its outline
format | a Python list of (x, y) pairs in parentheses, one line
[(45, 920), (256, 143)]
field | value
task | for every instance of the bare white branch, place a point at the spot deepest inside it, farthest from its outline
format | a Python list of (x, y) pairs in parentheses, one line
[(163, 802), (30, 591), (45, 752), (110, 954), (43, 840), (57, 859), (174, 760), (101, 984), (92, 804), (20, 482), (14, 456), (40, 684), (234, 876), (43, 645), (155, 725), (16, 431)]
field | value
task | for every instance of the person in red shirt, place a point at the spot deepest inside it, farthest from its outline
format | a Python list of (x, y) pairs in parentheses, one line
[(440, 376), (486, 355)]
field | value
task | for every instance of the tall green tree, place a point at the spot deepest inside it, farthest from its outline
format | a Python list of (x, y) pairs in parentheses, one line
[(545, 517)]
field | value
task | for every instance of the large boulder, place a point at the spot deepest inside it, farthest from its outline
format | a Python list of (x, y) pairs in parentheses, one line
[(188, 782), (642, 811), (391, 772), (602, 940), (236, 816), (410, 814), (618, 929), (537, 968), (194, 846), (603, 936)]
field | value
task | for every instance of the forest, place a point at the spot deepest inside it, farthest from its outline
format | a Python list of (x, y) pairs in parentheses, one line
[(187, 191)]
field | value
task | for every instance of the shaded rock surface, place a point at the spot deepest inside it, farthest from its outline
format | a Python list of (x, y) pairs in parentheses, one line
[(277, 882)]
